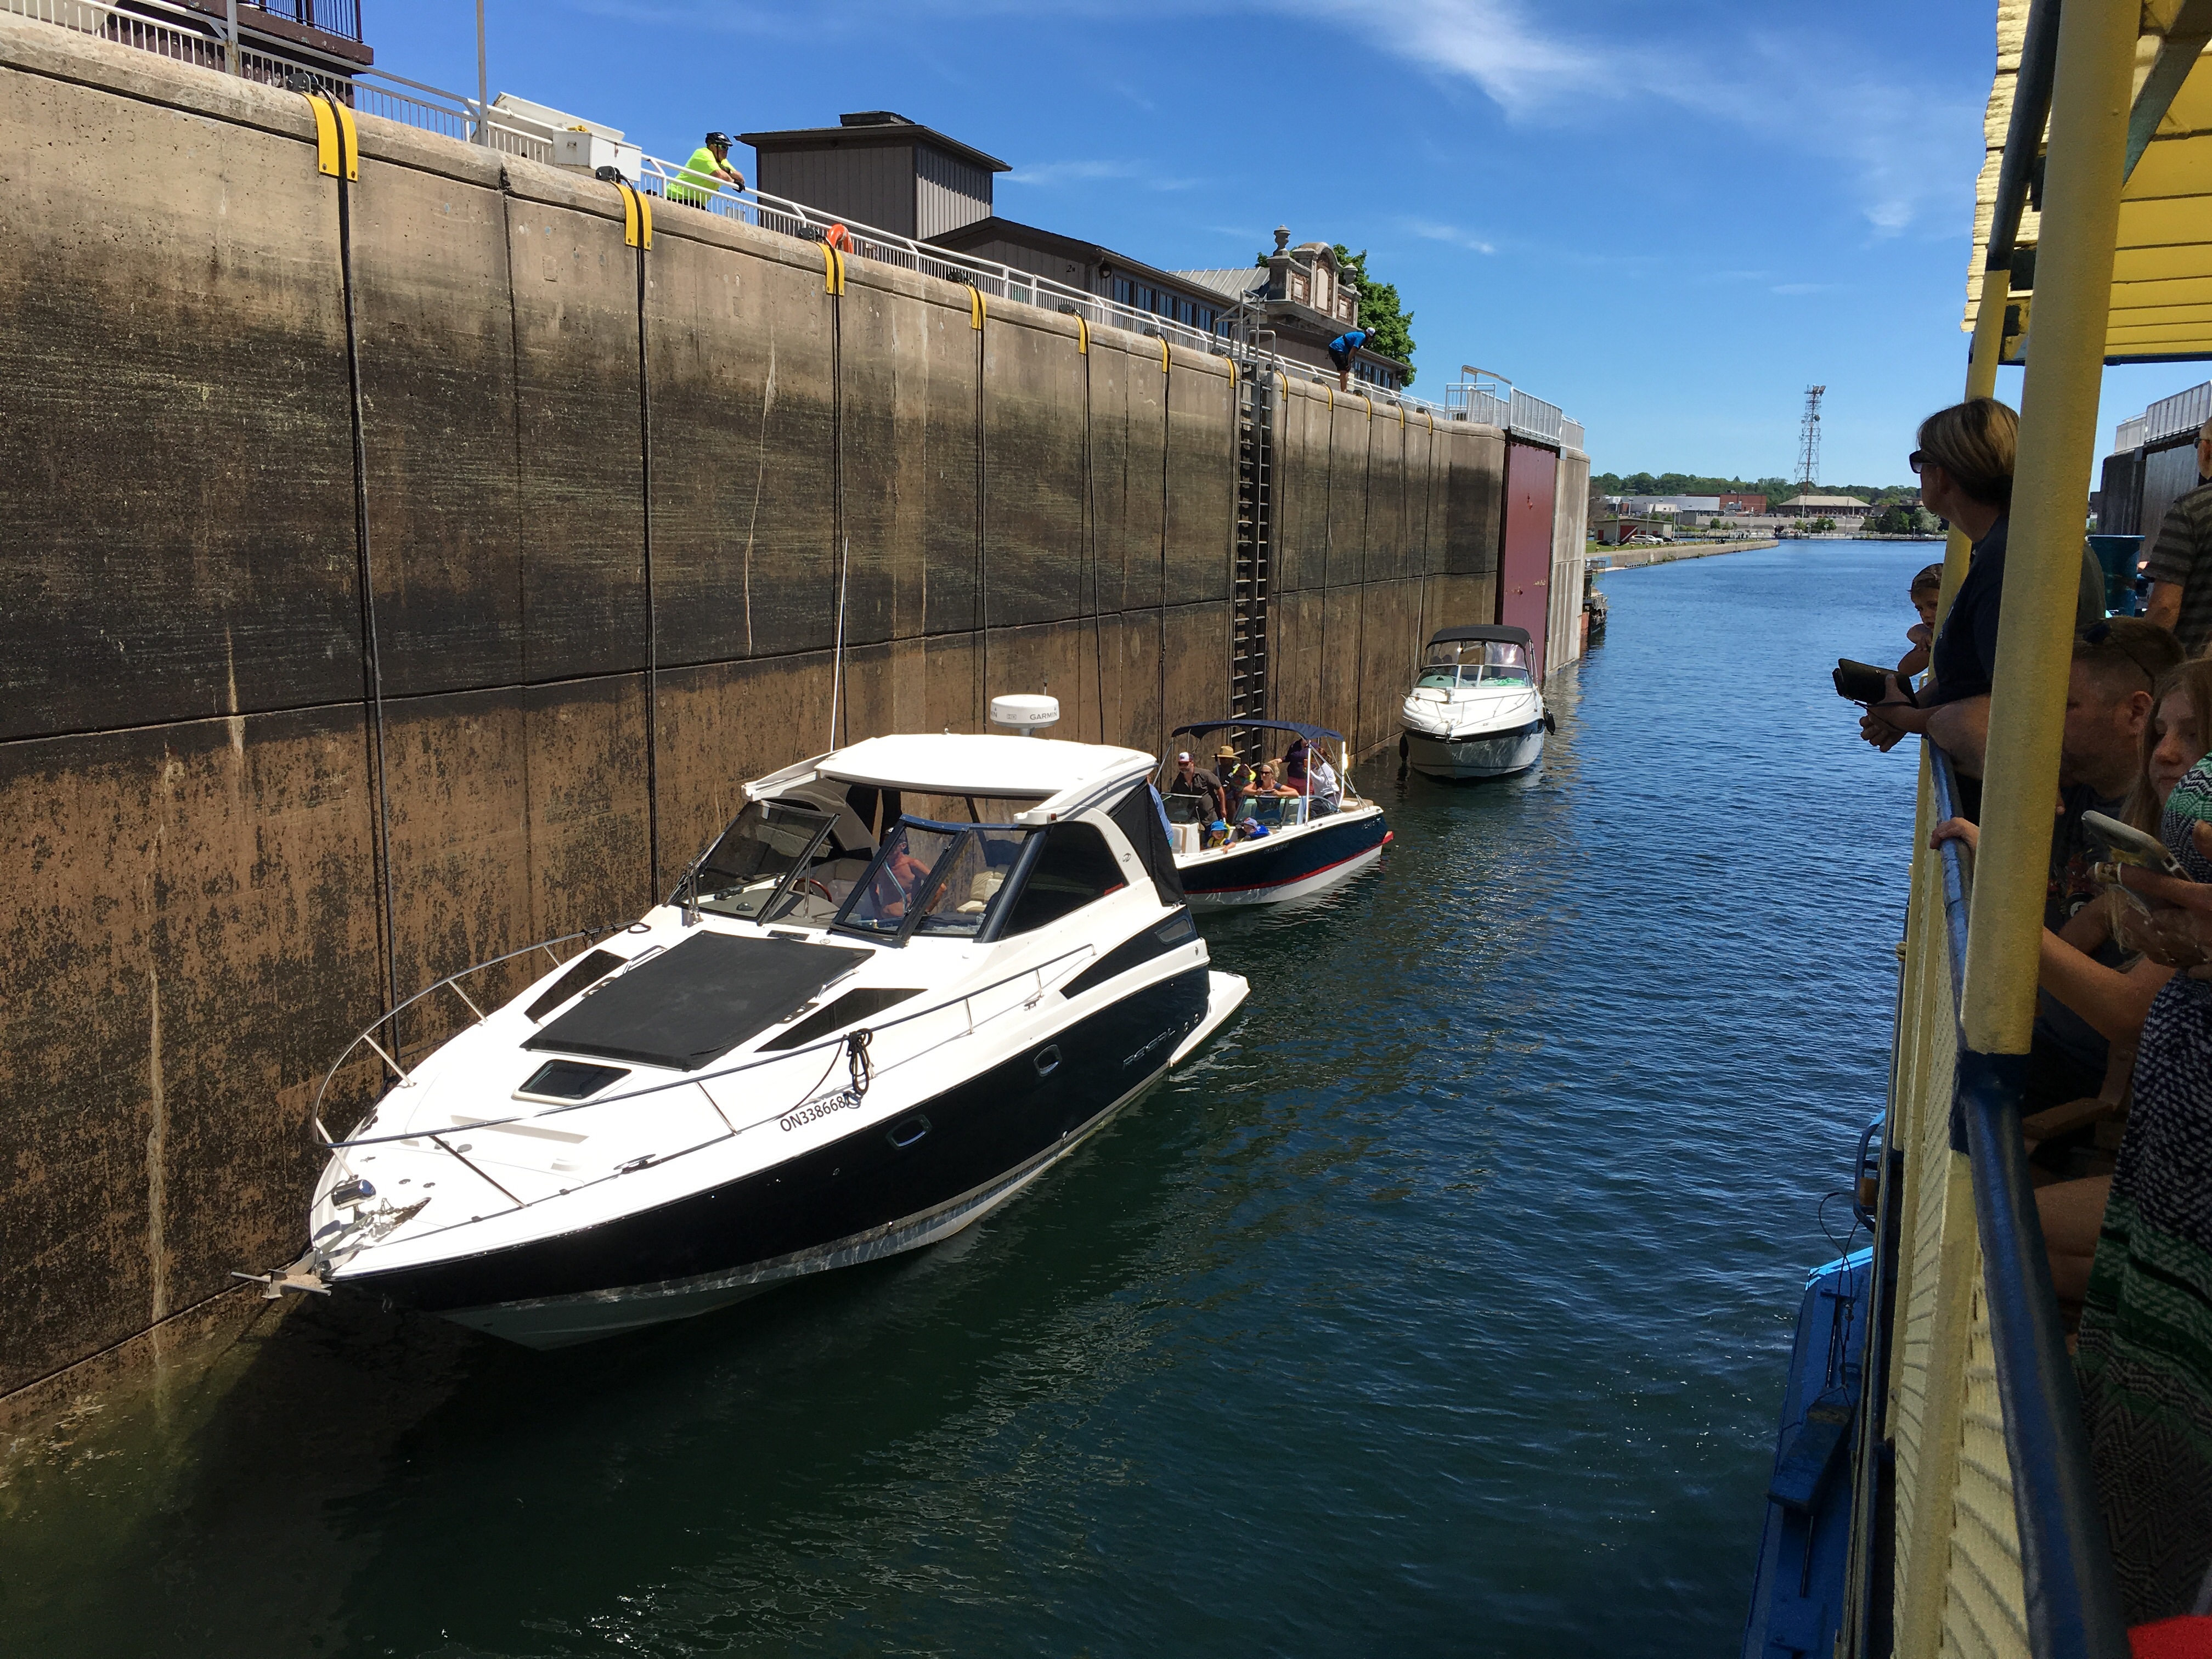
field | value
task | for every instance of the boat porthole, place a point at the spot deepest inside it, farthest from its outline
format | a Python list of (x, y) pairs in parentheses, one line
[(1047, 1059), (907, 1131)]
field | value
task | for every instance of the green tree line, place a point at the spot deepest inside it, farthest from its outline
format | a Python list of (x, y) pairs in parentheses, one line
[(1777, 490)]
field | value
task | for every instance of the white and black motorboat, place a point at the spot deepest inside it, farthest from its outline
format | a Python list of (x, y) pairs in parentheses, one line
[(909, 977), (1475, 711), (1264, 849)]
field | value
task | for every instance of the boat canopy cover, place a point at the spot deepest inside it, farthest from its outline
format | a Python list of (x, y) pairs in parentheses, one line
[(1309, 733), (1481, 631), (689, 1006), (980, 763), (2161, 292)]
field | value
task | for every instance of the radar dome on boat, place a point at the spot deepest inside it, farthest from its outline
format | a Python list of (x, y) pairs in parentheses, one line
[(1025, 713)]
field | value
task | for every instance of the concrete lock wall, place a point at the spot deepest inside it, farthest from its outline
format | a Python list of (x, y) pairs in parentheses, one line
[(197, 834)]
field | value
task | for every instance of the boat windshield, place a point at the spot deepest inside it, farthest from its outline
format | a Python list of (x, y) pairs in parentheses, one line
[(744, 871), (1276, 811), (1187, 809), (1474, 662), (933, 878)]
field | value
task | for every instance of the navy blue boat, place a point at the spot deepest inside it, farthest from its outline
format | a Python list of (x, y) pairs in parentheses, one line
[(1274, 846)]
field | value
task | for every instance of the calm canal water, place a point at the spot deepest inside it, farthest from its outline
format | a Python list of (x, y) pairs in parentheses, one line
[(1442, 1306)]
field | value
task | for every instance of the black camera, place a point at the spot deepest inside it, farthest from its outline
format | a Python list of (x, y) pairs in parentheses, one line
[(1861, 682)]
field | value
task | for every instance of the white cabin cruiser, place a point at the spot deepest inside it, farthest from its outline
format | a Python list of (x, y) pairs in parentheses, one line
[(911, 975), (1475, 711), (1267, 848)]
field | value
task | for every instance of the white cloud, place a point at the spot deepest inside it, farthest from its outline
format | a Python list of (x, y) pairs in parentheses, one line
[(1898, 144), (1492, 43), (1429, 230), (1049, 175)]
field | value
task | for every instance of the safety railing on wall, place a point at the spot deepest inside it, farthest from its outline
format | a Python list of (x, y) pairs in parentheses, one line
[(2184, 411), (2034, 1459), (341, 17), (189, 37)]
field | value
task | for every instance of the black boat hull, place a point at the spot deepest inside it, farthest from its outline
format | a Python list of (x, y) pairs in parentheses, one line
[(887, 1187), (1287, 866)]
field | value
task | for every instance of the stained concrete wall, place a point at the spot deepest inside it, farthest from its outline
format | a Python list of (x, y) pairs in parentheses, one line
[(189, 793)]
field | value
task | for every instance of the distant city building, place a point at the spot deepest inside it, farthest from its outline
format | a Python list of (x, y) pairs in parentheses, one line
[(1726, 503), (1824, 507)]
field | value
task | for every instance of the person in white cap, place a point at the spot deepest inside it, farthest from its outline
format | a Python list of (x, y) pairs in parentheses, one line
[(1190, 781)]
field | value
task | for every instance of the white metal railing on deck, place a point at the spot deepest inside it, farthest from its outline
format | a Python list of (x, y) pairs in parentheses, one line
[(2184, 411), (171, 31)]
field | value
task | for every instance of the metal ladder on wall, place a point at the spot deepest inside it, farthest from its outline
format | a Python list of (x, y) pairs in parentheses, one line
[(1256, 493)]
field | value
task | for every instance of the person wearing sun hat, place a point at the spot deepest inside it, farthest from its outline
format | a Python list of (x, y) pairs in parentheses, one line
[(1236, 776)]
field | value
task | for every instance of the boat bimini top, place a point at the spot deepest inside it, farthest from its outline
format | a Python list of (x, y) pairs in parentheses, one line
[(1311, 734), (1485, 631)]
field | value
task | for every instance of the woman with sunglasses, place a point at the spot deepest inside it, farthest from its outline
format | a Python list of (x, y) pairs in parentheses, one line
[(1965, 461)]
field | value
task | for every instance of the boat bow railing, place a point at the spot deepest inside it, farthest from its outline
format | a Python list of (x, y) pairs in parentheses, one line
[(1039, 978), (388, 1022)]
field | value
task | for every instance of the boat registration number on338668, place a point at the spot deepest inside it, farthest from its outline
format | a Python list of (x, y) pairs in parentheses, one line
[(814, 1108), (1148, 1048)]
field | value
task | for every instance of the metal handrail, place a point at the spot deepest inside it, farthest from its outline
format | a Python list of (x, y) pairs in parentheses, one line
[(1957, 867), (2074, 1609), (754, 1063), (451, 982)]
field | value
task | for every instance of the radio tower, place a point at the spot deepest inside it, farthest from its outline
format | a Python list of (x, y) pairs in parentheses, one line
[(1808, 442)]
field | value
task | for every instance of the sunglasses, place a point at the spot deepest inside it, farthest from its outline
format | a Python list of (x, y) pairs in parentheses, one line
[(2097, 633), (1913, 461)]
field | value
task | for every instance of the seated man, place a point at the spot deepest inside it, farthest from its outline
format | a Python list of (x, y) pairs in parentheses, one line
[(2085, 988)]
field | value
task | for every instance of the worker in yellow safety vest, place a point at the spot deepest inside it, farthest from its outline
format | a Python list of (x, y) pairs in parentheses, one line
[(706, 173)]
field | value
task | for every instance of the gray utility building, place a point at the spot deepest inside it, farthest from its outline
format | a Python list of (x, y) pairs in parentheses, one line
[(2151, 466), (879, 169), (882, 170)]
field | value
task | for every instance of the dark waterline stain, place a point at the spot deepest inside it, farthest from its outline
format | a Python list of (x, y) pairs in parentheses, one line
[(1441, 1306)]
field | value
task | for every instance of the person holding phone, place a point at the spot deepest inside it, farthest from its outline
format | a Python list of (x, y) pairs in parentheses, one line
[(1965, 461)]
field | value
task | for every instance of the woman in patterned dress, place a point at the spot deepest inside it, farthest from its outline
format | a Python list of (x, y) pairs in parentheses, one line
[(2144, 1357)]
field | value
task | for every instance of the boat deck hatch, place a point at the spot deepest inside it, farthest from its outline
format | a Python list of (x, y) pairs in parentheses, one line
[(689, 1006), (853, 1006)]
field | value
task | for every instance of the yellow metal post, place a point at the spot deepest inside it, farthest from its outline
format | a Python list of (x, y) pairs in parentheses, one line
[(1941, 1558), (2043, 565)]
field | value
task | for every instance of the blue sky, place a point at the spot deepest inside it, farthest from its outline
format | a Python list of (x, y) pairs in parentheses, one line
[(1669, 216)]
